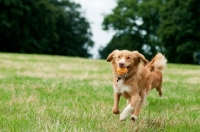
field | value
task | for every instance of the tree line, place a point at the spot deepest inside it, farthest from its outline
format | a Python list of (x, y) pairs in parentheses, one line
[(58, 27), (45, 27), (151, 26)]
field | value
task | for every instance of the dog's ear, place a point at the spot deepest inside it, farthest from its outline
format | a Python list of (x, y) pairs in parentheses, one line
[(111, 55), (140, 57)]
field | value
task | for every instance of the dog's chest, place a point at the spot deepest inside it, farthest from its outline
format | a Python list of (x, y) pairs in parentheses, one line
[(121, 88)]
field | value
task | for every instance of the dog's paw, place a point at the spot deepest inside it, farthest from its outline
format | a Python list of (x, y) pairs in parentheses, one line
[(115, 110), (126, 112), (160, 94), (122, 117), (133, 118)]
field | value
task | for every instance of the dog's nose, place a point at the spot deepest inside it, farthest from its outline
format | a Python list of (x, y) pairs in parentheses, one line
[(121, 64)]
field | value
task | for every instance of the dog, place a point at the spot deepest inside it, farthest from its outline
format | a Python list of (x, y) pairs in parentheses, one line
[(136, 83)]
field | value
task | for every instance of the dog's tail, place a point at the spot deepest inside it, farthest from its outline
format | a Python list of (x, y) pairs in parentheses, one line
[(157, 63)]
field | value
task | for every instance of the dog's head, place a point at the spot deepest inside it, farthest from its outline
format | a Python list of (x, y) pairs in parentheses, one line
[(126, 59)]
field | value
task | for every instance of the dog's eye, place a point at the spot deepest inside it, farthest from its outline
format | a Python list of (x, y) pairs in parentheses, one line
[(118, 56), (128, 57)]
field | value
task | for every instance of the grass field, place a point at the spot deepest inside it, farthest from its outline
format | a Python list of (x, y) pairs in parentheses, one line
[(62, 94)]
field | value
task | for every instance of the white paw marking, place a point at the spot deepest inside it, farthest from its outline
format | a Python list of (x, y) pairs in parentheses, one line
[(126, 112), (134, 117)]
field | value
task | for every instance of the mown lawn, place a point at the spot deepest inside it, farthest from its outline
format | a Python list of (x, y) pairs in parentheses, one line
[(62, 94)]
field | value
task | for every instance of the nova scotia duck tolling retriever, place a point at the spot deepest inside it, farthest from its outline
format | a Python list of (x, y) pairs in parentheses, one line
[(133, 78)]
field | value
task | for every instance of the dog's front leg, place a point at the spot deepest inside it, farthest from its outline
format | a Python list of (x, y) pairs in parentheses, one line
[(129, 108), (115, 108), (137, 110)]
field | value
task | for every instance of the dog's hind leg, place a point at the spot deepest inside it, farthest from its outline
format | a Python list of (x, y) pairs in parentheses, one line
[(159, 89), (115, 108)]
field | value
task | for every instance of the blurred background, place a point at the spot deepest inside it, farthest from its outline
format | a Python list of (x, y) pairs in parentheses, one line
[(94, 28)]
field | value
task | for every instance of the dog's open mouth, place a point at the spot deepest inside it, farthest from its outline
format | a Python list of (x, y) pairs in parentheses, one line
[(124, 66)]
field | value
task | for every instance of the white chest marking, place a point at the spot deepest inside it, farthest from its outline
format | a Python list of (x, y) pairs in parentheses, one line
[(120, 87)]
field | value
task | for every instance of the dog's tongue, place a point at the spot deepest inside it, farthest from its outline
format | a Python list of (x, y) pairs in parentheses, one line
[(121, 71)]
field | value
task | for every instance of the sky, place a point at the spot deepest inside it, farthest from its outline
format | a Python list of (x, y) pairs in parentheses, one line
[(93, 10)]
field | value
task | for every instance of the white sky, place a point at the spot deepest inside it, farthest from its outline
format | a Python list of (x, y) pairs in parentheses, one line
[(93, 11)]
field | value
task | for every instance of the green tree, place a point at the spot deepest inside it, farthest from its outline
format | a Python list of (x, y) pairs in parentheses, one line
[(74, 31), (135, 23), (151, 26), (45, 27), (179, 31)]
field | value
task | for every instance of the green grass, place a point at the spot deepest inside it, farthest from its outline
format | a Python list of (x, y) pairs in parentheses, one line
[(63, 94)]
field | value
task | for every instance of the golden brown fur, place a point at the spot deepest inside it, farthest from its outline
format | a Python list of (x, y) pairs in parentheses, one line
[(135, 84), (156, 68), (157, 81)]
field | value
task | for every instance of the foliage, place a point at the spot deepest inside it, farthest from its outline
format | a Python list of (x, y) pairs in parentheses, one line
[(135, 23), (45, 27), (152, 26), (47, 93), (179, 32)]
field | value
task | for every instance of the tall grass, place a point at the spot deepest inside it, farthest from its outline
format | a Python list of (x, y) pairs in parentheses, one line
[(54, 93)]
